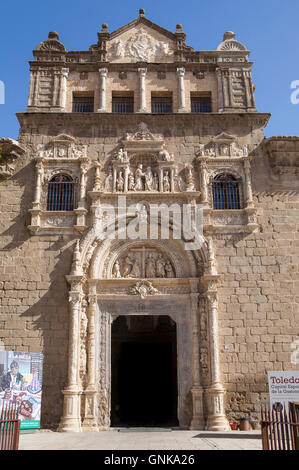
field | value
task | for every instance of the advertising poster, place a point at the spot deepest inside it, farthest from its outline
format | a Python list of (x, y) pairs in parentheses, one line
[(21, 384), (283, 388)]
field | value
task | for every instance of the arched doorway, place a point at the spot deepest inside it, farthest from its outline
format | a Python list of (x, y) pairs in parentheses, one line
[(144, 388)]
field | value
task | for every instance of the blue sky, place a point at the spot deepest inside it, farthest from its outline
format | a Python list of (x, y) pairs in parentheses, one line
[(269, 29)]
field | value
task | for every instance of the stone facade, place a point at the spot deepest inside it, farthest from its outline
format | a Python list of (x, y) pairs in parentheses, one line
[(234, 300)]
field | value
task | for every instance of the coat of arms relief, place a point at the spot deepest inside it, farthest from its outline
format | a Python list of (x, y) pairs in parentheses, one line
[(141, 47)]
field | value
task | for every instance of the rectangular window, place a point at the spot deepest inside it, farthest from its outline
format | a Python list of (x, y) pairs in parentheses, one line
[(83, 104), (161, 104), (122, 103), (201, 104)]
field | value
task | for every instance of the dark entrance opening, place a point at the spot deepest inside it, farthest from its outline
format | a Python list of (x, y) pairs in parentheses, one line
[(144, 371)]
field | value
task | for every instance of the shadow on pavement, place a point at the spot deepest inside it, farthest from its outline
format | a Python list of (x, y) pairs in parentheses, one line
[(228, 435)]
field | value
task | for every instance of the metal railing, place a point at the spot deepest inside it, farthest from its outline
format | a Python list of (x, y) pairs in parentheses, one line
[(226, 192), (123, 106), (9, 427), (61, 194), (280, 429), (161, 105)]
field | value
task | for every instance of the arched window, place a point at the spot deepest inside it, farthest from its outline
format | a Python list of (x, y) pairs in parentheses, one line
[(61, 193), (226, 192)]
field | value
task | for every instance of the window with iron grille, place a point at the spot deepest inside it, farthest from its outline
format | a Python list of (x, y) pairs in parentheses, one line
[(226, 192), (201, 104), (83, 104), (161, 104), (61, 193), (122, 104)]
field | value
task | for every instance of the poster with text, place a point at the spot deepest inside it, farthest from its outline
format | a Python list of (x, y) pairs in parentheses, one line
[(283, 388), (21, 384)]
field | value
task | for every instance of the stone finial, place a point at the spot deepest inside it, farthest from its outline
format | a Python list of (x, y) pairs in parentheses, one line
[(104, 28), (76, 264), (141, 12), (228, 35), (53, 35), (179, 28)]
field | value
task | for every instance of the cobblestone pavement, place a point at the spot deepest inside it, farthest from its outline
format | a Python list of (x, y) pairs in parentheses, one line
[(142, 439)]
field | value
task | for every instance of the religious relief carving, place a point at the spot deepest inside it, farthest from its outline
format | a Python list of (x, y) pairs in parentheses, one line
[(141, 47), (143, 263), (142, 133), (128, 174), (61, 147), (144, 288), (223, 145)]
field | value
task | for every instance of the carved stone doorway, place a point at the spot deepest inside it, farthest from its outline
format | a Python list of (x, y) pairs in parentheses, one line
[(144, 390)]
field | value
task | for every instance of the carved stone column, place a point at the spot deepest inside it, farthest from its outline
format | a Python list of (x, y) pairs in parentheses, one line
[(39, 179), (71, 419), (126, 177), (63, 88), (217, 420), (198, 421), (249, 198), (90, 417), (142, 103), (103, 76), (182, 99)]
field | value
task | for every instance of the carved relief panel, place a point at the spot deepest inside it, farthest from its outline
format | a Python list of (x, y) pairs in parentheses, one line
[(143, 262)]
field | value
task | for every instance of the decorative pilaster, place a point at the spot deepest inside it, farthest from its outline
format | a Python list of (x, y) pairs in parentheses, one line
[(247, 172), (103, 76), (33, 88), (90, 393), (71, 419), (182, 100), (142, 90), (217, 420), (198, 421)]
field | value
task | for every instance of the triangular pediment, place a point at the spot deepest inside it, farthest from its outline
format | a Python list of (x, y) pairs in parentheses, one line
[(224, 137), (141, 41)]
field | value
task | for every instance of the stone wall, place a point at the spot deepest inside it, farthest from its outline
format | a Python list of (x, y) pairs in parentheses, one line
[(258, 293)]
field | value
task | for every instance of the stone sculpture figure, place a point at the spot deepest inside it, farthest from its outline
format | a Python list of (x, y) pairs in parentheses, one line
[(179, 184), (168, 269), (160, 267), (116, 270), (135, 271), (148, 179), (131, 182), (166, 182), (127, 268), (138, 178), (150, 269), (120, 182), (108, 181)]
